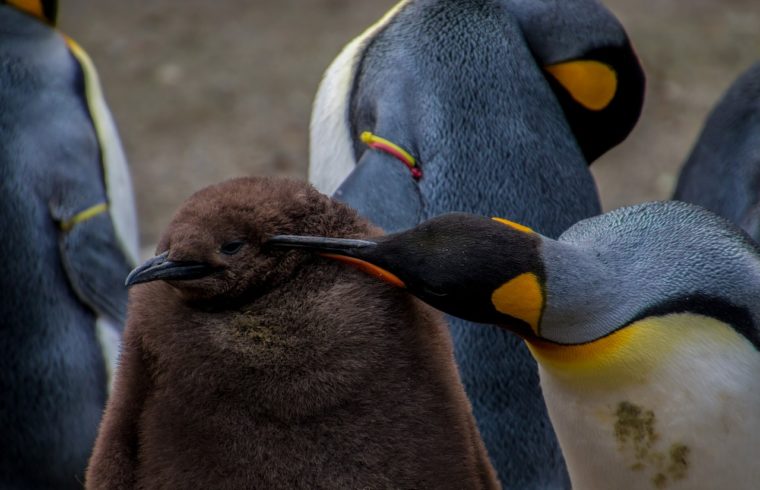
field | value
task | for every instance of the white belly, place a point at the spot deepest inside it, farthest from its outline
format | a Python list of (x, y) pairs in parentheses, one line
[(675, 406)]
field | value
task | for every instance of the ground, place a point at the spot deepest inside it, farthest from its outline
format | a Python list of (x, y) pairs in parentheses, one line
[(205, 90)]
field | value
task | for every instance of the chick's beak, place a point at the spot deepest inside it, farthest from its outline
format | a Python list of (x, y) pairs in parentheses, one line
[(161, 268)]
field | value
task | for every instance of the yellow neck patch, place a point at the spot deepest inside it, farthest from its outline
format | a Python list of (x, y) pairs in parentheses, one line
[(591, 83), (631, 353), (521, 298)]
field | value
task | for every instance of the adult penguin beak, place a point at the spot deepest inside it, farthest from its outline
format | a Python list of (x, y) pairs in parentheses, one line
[(357, 253), (344, 246), (161, 268)]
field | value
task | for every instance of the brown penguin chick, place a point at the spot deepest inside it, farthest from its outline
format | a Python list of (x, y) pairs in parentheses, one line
[(244, 367)]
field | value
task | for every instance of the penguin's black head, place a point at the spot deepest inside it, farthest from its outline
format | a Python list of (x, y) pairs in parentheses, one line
[(590, 65), (483, 270), (212, 249)]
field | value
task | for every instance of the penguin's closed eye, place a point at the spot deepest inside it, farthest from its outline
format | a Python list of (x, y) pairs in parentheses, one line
[(231, 248)]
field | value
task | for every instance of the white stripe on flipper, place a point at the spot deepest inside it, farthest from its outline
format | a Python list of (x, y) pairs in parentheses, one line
[(117, 180)]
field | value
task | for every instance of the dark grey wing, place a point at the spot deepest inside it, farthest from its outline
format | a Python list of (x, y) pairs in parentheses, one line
[(382, 189), (96, 266), (91, 196)]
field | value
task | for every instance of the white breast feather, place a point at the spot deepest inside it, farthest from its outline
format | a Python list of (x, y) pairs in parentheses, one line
[(331, 150), (689, 420)]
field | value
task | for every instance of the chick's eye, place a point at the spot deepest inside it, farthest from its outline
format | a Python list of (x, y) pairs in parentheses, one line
[(231, 248)]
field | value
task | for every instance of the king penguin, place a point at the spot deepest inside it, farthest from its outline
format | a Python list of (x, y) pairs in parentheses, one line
[(723, 170), (69, 236), (245, 367), (644, 322), (488, 107)]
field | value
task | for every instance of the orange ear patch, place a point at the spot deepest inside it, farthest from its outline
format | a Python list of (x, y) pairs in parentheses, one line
[(521, 298), (591, 83), (35, 8), (368, 268)]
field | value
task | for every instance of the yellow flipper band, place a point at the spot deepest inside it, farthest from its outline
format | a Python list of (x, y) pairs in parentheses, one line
[(521, 298), (591, 83), (393, 149), (81, 216), (512, 224)]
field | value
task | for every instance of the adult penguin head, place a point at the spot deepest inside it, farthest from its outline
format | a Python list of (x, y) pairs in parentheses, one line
[(44, 10), (590, 64), (602, 275), (386, 81)]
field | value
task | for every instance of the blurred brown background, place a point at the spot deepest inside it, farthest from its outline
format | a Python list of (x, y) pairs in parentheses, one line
[(205, 90)]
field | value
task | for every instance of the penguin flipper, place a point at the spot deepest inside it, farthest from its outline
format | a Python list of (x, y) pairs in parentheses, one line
[(96, 267), (383, 190)]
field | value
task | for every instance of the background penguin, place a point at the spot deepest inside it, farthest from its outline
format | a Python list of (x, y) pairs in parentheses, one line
[(723, 170), (243, 368), (68, 239), (644, 322), (490, 107)]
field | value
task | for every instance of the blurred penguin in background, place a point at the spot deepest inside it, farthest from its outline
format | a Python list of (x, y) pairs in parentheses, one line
[(245, 367), (69, 238), (723, 171), (489, 107)]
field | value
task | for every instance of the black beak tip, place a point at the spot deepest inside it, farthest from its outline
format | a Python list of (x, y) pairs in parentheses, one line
[(129, 280), (142, 273), (132, 278), (160, 268)]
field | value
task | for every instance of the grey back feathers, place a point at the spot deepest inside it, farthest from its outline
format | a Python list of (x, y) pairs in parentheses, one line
[(723, 171), (649, 259), (62, 297), (476, 131), (558, 30)]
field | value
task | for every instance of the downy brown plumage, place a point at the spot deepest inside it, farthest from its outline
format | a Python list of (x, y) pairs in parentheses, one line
[(244, 367)]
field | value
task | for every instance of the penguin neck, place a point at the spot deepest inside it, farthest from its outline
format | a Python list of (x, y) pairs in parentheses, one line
[(582, 300), (652, 405), (599, 283)]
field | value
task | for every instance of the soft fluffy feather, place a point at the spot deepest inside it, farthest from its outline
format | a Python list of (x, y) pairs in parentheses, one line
[(282, 371)]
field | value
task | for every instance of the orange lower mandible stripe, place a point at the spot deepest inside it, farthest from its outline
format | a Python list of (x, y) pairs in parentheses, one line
[(368, 268)]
